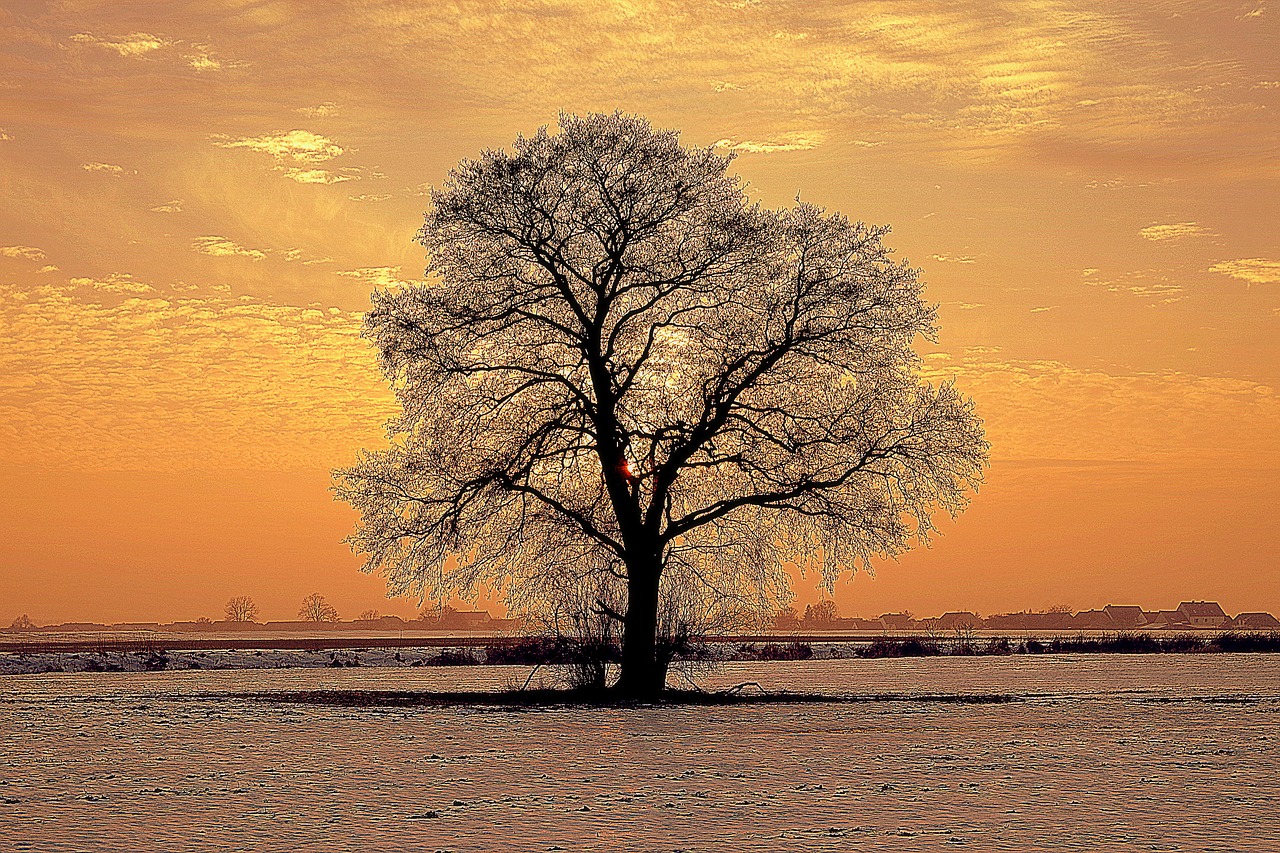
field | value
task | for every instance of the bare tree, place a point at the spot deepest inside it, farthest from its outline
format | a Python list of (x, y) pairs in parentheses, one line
[(241, 609), (370, 616), (787, 619), (316, 609), (436, 613), (824, 612), (626, 383), (22, 623)]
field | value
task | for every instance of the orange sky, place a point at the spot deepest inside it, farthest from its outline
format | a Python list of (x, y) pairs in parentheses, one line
[(198, 197)]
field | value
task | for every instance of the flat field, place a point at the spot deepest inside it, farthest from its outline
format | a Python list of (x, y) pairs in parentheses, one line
[(1092, 752)]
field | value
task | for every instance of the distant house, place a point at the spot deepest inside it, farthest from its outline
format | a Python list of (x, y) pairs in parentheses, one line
[(1203, 614), (1054, 620), (1254, 622), (1167, 619), (1125, 616), (898, 622), (1093, 620), (232, 625), (299, 625), (389, 622), (184, 626), (958, 620), (1007, 621), (460, 620), (786, 620)]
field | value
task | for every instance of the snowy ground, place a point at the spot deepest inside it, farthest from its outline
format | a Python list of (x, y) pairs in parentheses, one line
[(1113, 753)]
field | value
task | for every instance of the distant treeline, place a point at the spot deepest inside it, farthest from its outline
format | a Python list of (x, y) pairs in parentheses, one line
[(446, 619), (1189, 616), (822, 617)]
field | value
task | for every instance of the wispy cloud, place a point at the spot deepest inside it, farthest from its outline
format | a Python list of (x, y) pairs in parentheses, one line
[(319, 176), (116, 282), (222, 247), (132, 46), (298, 154), (328, 108), (1051, 409), (172, 376), (28, 253), (202, 59), (174, 206), (1153, 286), (956, 259), (301, 146), (791, 141), (1174, 231), (104, 168), (376, 276), (1252, 270), (145, 46)]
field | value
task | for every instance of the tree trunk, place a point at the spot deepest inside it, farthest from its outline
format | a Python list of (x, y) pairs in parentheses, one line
[(643, 676)]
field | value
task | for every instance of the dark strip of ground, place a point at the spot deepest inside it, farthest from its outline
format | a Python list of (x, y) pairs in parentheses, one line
[(542, 698), (1121, 643), (534, 650)]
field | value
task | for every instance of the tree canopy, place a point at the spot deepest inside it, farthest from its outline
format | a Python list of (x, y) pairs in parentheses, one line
[(628, 390), (241, 608), (316, 609)]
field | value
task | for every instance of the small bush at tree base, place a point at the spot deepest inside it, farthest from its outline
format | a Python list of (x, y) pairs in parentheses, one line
[(999, 646), (772, 651), (455, 657), (525, 651), (908, 647)]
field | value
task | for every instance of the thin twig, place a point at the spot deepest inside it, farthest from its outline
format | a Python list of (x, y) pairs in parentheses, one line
[(525, 686)]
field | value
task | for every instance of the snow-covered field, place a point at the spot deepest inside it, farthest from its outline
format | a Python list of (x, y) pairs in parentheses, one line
[(1098, 753)]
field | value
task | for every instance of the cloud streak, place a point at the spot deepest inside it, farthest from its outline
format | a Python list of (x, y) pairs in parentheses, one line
[(782, 143), (179, 381), (304, 149), (137, 45), (1174, 231), (1252, 270), (28, 253), (221, 247), (301, 146)]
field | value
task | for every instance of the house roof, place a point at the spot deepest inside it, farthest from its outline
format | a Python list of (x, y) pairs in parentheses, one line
[(1256, 620), (1167, 617), (1193, 609), (1125, 615), (1092, 619), (959, 617)]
